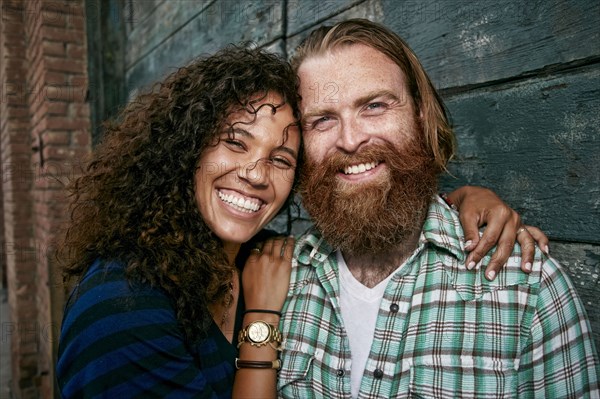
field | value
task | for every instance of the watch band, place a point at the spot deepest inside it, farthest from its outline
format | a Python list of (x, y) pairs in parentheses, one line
[(277, 346), (257, 364)]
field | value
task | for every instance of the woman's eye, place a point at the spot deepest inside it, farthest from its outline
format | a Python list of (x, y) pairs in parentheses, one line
[(281, 162), (235, 144)]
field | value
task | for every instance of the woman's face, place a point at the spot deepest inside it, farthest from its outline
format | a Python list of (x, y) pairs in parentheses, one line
[(244, 180)]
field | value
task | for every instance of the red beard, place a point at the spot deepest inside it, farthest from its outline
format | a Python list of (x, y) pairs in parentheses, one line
[(367, 218)]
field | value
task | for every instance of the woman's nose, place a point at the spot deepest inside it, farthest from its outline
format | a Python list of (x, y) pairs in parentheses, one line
[(255, 173)]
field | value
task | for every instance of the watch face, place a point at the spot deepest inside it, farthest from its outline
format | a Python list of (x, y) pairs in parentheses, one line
[(258, 332)]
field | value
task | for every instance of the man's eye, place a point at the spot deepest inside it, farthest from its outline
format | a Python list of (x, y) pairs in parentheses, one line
[(321, 123), (375, 105)]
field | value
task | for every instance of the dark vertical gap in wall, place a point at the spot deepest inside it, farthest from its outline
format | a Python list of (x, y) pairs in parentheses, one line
[(106, 35), (284, 27), (95, 87), (284, 22)]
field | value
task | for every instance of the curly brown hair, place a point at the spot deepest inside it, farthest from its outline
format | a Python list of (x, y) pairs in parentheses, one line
[(135, 201)]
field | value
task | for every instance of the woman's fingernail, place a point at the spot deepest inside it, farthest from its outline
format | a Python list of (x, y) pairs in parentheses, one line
[(471, 265), (491, 274), (468, 244), (546, 249), (528, 266)]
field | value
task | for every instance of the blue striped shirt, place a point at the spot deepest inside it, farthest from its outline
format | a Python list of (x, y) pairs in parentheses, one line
[(123, 341)]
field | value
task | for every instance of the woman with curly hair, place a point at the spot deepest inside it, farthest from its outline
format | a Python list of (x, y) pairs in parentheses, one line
[(165, 223), (192, 171)]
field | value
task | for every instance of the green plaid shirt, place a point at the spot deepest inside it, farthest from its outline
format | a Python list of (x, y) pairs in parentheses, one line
[(442, 331)]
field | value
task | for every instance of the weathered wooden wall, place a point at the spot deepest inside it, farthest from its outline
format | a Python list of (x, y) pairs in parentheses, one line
[(521, 80)]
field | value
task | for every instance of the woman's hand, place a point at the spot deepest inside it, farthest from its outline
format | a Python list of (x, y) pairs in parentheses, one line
[(266, 275), (479, 206), (266, 280)]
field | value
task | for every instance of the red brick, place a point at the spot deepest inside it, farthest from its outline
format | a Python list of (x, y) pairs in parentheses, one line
[(60, 138), (56, 78), (57, 108), (67, 8), (52, 17), (81, 110), (60, 123), (82, 138), (64, 65), (62, 34), (53, 48), (76, 51), (77, 23)]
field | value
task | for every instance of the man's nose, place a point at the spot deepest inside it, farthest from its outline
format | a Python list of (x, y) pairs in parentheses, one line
[(351, 136)]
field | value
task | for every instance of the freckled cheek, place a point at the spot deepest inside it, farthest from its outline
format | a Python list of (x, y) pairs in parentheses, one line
[(316, 148)]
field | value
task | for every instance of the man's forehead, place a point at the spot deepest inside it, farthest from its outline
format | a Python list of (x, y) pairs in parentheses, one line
[(348, 71)]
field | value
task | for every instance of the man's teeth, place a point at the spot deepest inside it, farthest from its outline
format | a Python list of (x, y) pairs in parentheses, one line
[(239, 203), (360, 168)]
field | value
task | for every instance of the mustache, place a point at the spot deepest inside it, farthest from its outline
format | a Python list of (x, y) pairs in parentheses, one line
[(378, 153)]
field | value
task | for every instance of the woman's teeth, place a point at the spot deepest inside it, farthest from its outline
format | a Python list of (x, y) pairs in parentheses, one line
[(239, 203), (360, 168)]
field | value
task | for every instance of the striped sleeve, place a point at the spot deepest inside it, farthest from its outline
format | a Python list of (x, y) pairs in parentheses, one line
[(560, 361), (118, 341)]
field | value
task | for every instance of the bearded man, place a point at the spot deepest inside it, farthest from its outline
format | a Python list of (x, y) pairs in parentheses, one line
[(381, 304)]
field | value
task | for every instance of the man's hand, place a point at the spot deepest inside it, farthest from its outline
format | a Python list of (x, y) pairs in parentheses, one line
[(479, 206)]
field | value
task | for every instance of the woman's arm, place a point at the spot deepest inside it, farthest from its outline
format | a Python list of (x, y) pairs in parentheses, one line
[(479, 206), (265, 280)]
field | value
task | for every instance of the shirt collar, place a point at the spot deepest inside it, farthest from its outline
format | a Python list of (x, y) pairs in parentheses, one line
[(442, 229)]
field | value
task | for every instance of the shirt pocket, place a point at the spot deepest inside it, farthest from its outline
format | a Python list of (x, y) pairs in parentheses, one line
[(467, 379), (295, 369)]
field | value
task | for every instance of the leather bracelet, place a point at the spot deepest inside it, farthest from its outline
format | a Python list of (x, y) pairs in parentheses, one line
[(262, 311), (257, 364)]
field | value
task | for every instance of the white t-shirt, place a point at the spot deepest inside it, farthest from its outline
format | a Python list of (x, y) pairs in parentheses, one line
[(360, 307)]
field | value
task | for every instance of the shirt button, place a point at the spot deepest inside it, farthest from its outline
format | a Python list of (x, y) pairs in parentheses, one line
[(394, 308), (378, 373), (341, 372)]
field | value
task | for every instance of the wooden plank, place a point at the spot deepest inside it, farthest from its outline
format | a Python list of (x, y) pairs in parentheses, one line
[(303, 14), (298, 30), (218, 25), (470, 42), (537, 144), (142, 9), (138, 11), (582, 263), (168, 17)]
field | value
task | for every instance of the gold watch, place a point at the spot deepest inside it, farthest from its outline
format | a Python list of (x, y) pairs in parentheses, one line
[(259, 333)]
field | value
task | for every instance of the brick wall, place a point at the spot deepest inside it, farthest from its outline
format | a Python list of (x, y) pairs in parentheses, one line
[(17, 201), (45, 132)]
